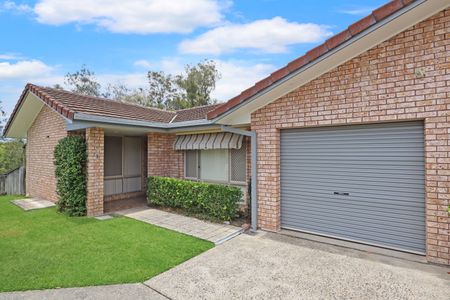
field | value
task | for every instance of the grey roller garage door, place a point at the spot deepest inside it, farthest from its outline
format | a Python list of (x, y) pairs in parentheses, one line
[(363, 183)]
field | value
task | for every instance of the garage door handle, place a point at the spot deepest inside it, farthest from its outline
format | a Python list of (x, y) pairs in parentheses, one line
[(342, 194)]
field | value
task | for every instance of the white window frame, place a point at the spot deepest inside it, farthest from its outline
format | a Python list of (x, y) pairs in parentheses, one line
[(229, 181)]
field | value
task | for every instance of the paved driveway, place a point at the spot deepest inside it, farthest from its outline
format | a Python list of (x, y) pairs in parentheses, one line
[(272, 266)]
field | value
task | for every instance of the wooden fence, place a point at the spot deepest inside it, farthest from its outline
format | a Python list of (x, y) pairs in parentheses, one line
[(13, 182)]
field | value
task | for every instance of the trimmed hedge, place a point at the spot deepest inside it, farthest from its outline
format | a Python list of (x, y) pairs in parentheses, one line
[(70, 160), (214, 201)]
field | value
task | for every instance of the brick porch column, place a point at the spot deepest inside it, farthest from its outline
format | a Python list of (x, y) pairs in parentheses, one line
[(95, 160)]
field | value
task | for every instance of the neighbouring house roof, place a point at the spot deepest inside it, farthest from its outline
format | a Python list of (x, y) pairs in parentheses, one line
[(194, 113), (68, 104), (353, 30)]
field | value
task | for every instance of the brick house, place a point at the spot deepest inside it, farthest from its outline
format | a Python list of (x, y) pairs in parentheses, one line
[(351, 139)]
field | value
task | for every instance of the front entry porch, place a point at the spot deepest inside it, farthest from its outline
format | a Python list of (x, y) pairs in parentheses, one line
[(116, 170)]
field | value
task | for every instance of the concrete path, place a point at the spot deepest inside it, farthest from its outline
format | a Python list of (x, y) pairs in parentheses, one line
[(32, 203), (274, 266), (214, 232), (135, 291)]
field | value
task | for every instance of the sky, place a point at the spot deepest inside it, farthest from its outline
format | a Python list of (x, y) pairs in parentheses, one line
[(41, 41)]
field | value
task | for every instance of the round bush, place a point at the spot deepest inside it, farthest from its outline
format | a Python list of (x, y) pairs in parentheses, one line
[(70, 161)]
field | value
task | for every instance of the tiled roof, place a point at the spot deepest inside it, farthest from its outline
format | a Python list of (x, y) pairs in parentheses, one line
[(195, 113), (376, 16), (68, 103)]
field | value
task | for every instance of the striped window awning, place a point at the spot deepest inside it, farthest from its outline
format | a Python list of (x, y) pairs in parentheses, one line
[(221, 140)]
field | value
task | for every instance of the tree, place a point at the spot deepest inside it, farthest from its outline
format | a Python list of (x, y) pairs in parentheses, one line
[(83, 82), (2, 118), (162, 89), (120, 92), (197, 85), (57, 86), (165, 91), (11, 154), (187, 90)]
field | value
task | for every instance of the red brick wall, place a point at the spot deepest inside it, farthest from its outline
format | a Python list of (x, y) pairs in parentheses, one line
[(48, 128), (95, 146), (380, 85), (162, 160)]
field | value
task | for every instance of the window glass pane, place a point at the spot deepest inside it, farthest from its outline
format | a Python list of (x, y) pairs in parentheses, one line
[(238, 164), (191, 164), (214, 165), (113, 156), (133, 159)]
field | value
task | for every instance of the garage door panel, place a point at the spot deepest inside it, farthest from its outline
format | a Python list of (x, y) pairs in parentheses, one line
[(376, 182), (402, 221), (399, 172), (375, 165), (361, 131), (381, 167), (379, 231), (363, 237), (365, 202), (350, 208), (369, 191)]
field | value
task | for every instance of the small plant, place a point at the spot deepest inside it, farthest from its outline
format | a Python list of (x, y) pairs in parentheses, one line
[(214, 201), (70, 160)]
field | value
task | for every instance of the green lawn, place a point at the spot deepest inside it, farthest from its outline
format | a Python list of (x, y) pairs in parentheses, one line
[(44, 249)]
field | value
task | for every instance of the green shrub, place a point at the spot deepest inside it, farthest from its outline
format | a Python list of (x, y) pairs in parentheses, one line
[(214, 201), (70, 160)]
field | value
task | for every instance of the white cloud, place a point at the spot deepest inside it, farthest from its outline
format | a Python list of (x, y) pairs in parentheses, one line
[(143, 63), (269, 35), (238, 76), (132, 16), (10, 56), (17, 8), (357, 11), (23, 69)]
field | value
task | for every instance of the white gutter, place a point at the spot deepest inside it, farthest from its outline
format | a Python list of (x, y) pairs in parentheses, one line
[(139, 123)]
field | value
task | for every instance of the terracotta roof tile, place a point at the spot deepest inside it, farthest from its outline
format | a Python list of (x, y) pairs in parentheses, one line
[(333, 42), (68, 103), (361, 25), (195, 113), (387, 9), (77, 103)]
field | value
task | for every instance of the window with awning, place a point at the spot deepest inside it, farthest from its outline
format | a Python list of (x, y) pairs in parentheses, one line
[(219, 157), (208, 141)]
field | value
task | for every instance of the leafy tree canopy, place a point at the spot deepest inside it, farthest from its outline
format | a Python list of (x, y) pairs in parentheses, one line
[(83, 82), (2, 118), (11, 154), (166, 91)]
